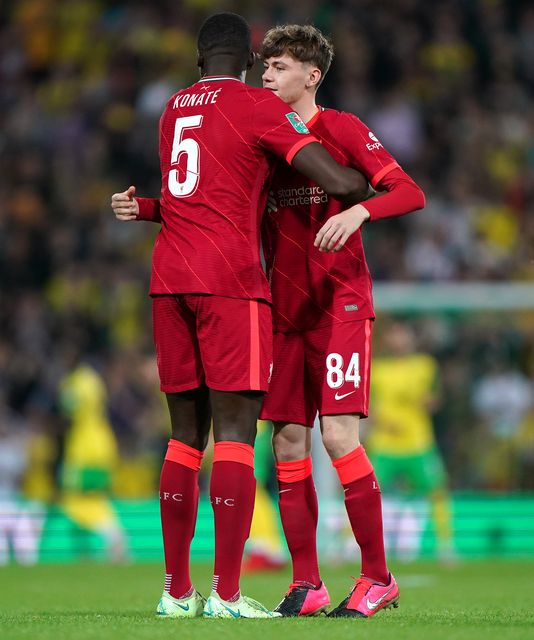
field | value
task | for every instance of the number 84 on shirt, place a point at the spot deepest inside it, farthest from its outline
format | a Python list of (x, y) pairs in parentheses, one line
[(337, 374)]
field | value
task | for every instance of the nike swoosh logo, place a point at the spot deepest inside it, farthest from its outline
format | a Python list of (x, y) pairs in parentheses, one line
[(234, 613), (185, 607), (340, 397), (374, 605), (284, 490)]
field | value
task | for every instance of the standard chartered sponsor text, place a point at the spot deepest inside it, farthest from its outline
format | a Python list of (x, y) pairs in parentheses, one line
[(296, 196)]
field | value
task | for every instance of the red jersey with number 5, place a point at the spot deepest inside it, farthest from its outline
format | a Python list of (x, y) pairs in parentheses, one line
[(217, 140), (311, 289)]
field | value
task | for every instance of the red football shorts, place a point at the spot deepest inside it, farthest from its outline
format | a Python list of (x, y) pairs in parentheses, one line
[(224, 343), (325, 370)]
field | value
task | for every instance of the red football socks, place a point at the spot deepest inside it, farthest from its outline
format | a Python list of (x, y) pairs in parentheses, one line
[(232, 492), (363, 502), (299, 513), (178, 505)]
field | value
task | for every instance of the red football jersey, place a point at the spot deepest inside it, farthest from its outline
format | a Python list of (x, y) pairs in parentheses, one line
[(311, 289), (217, 138)]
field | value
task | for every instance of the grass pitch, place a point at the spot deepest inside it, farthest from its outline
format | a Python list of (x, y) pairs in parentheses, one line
[(474, 600)]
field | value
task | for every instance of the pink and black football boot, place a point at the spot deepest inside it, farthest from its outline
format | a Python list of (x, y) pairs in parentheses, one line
[(367, 598), (304, 600)]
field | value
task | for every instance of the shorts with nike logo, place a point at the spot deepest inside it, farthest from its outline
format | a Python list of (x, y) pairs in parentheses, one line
[(323, 370)]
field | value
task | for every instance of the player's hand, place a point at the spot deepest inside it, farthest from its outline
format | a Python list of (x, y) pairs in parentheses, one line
[(124, 205), (335, 232)]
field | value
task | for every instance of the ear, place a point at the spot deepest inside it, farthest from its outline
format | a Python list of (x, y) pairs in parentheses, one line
[(314, 78), (200, 60), (251, 60)]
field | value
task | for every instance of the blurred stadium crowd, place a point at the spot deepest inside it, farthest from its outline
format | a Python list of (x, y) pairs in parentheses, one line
[(448, 88)]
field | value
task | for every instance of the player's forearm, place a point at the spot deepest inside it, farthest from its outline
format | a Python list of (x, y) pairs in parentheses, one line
[(402, 196), (149, 209), (348, 185), (341, 182)]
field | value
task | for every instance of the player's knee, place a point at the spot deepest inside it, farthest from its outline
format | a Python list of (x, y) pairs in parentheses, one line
[(286, 451), (334, 444), (198, 441), (340, 436), (190, 417), (235, 415), (290, 442), (242, 433)]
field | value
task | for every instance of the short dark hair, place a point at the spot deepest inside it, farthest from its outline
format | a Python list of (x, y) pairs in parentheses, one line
[(304, 43), (224, 33)]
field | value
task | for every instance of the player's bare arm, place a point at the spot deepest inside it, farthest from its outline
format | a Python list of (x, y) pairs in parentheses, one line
[(341, 182)]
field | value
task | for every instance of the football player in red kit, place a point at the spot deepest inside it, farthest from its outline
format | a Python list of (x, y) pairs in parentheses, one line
[(211, 299), (322, 315)]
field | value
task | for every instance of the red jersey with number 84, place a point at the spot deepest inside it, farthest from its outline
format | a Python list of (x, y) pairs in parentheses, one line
[(217, 140)]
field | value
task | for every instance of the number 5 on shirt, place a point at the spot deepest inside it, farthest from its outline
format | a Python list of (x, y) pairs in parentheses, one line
[(190, 147)]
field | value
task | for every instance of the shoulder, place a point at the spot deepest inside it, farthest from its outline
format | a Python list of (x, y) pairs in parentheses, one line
[(264, 98), (346, 129), (340, 118), (179, 93), (169, 105), (344, 121)]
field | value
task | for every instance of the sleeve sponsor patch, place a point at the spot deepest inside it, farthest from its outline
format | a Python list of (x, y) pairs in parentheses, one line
[(296, 122), (376, 144)]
